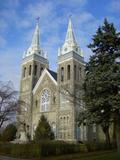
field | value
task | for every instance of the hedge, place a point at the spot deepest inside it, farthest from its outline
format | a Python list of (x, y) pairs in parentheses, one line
[(99, 146), (59, 148), (20, 150), (31, 150), (48, 148)]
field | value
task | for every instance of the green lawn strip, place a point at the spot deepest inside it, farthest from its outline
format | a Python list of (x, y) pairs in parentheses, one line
[(106, 155), (100, 155), (109, 156)]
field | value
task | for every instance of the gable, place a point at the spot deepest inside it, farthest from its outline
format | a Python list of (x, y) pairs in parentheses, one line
[(42, 77)]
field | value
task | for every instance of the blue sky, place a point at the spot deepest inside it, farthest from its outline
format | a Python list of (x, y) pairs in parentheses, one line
[(18, 20)]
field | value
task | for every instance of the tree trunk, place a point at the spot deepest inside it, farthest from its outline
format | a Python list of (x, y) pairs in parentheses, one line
[(107, 137), (114, 135), (118, 132)]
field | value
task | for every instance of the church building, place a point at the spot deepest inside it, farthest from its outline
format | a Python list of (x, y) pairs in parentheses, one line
[(52, 94)]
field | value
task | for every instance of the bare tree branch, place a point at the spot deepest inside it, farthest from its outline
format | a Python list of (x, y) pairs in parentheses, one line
[(9, 103)]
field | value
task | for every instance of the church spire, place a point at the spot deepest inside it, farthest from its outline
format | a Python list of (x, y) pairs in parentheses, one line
[(35, 44), (35, 39), (70, 44), (70, 38)]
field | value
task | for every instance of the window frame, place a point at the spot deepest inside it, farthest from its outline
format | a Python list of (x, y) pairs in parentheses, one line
[(62, 74), (45, 106), (30, 69), (68, 71)]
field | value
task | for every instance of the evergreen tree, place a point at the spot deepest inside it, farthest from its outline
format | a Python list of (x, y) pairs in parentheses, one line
[(9, 133), (102, 82), (43, 130)]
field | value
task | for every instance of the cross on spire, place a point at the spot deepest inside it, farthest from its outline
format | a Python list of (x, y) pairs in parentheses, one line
[(38, 19)]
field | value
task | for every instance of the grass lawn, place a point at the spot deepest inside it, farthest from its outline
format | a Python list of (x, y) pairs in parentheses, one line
[(99, 155), (108, 155)]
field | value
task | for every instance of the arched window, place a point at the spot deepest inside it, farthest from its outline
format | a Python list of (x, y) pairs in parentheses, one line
[(30, 70), (45, 100), (62, 74), (68, 72), (24, 72), (67, 119), (80, 73), (35, 70), (75, 72), (41, 70)]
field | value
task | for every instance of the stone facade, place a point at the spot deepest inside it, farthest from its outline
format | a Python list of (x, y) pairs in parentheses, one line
[(53, 94)]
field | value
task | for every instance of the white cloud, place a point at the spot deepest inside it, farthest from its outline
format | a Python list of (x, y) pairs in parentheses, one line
[(10, 17), (2, 42), (41, 9), (71, 3), (114, 6), (3, 25), (84, 17), (11, 3), (24, 23), (10, 65)]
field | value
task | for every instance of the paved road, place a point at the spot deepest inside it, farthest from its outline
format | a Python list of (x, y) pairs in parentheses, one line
[(10, 158)]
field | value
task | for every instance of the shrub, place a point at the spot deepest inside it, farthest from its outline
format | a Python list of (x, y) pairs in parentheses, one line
[(59, 148), (9, 133), (20, 150), (25, 150), (48, 148), (43, 130), (98, 146)]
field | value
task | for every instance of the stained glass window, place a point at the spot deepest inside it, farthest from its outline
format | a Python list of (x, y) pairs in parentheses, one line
[(45, 100)]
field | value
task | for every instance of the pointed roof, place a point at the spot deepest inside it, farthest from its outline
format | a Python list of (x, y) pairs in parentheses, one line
[(35, 45), (70, 38), (70, 44), (35, 39)]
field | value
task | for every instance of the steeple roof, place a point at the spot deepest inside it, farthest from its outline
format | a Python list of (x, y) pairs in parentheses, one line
[(70, 38), (35, 40), (35, 45), (70, 44)]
